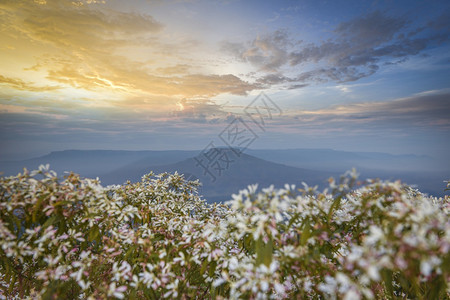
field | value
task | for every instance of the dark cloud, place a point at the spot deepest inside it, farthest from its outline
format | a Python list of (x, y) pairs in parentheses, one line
[(420, 111), (370, 30), (336, 74), (272, 79), (296, 86), (279, 79), (442, 22), (361, 44), (359, 47)]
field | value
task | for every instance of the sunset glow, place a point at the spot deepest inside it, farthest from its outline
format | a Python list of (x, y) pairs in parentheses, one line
[(135, 74)]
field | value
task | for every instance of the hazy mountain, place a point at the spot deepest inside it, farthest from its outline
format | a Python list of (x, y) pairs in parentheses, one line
[(264, 167), (328, 159), (226, 174), (424, 172), (93, 163)]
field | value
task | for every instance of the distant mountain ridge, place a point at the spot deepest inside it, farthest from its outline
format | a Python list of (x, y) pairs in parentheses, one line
[(341, 160), (228, 176), (92, 163), (264, 167)]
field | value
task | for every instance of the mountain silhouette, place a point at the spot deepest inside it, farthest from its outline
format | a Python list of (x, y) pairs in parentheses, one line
[(231, 172), (223, 172)]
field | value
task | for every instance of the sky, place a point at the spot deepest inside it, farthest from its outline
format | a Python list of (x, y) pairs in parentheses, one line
[(173, 74)]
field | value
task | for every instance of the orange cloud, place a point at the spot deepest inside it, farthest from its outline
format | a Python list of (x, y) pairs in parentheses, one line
[(21, 85), (94, 48)]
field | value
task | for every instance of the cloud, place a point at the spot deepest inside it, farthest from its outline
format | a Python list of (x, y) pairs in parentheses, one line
[(336, 74), (135, 78), (63, 24), (276, 78), (21, 85), (177, 69), (268, 52), (370, 30), (358, 48), (296, 86), (95, 48), (442, 22), (115, 127), (200, 111), (422, 111)]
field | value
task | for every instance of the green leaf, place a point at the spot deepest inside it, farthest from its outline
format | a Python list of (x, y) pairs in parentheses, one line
[(204, 266), (36, 209), (387, 278), (50, 221), (305, 233), (61, 203), (264, 252), (130, 252), (334, 206), (94, 233), (12, 282), (293, 219), (212, 268)]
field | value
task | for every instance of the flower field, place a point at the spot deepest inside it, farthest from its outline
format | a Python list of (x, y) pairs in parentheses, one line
[(71, 238)]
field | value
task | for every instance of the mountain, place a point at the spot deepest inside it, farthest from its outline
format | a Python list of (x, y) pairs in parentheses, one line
[(227, 173), (264, 167), (423, 172), (93, 163), (328, 159)]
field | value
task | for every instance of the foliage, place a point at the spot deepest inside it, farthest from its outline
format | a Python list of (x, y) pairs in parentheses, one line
[(72, 238)]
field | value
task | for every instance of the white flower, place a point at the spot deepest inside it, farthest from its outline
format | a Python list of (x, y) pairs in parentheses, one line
[(84, 285), (219, 282), (373, 272), (374, 236), (329, 286), (116, 291), (427, 266), (352, 295)]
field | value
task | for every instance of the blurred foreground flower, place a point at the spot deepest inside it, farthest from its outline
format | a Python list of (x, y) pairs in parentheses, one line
[(73, 238)]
